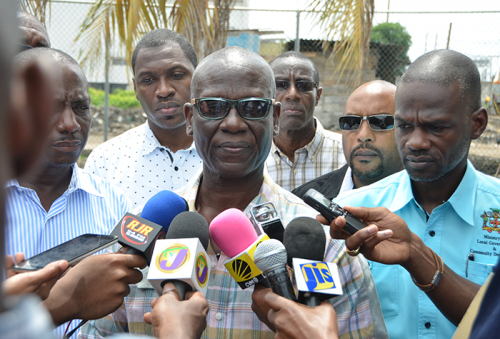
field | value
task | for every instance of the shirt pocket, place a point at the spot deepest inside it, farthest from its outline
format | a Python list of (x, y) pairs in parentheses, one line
[(387, 283), (477, 271)]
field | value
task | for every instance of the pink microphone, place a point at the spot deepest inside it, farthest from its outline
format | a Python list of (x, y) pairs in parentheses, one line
[(232, 232)]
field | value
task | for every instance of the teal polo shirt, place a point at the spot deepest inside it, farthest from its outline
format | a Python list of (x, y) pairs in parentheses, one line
[(469, 222)]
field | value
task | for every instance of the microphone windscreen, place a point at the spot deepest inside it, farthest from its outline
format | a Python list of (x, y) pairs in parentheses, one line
[(270, 255), (304, 238), (162, 208), (232, 232), (189, 225)]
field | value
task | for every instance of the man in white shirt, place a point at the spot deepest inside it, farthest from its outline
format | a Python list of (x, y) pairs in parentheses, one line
[(158, 155), (369, 148)]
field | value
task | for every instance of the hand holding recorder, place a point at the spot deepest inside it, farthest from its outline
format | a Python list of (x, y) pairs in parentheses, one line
[(387, 239)]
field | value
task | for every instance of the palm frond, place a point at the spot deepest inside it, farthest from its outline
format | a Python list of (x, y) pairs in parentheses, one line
[(36, 7), (348, 23)]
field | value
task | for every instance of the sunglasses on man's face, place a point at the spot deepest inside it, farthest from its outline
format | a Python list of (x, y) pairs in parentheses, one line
[(219, 108), (301, 86), (376, 122)]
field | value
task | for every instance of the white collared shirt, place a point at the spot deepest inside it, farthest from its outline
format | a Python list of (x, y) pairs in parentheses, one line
[(347, 183), (136, 162)]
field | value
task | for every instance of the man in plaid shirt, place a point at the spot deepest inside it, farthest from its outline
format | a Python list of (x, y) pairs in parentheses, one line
[(233, 118), (303, 150)]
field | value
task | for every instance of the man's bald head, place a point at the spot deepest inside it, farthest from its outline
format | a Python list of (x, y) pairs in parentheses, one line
[(53, 56), (33, 32), (378, 89), (446, 67), (234, 59)]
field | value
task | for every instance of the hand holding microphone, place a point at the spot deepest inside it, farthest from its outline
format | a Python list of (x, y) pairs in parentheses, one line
[(173, 318), (291, 320)]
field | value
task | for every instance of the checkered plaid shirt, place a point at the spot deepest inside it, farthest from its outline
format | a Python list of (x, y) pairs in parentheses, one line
[(230, 314), (322, 155)]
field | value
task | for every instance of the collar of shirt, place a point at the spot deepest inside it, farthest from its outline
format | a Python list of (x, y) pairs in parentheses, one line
[(77, 182), (153, 141), (347, 183), (461, 200), (311, 148)]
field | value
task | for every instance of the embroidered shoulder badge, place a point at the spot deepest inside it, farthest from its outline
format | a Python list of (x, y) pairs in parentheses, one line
[(491, 220)]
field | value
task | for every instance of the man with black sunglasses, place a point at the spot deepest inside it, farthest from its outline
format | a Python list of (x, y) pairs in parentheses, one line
[(303, 150), (367, 139), (233, 117)]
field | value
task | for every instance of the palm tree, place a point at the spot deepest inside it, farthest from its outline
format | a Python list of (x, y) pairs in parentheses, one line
[(348, 22)]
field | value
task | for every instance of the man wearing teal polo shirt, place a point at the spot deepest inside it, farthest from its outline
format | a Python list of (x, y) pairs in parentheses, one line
[(452, 238)]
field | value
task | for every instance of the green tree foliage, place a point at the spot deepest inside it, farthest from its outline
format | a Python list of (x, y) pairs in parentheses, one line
[(119, 98), (394, 42)]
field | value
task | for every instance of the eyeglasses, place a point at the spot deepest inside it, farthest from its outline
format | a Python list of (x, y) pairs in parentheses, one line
[(376, 122), (219, 108), (301, 86)]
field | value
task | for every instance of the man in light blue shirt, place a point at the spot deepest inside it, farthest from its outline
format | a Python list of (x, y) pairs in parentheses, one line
[(451, 209), (59, 202)]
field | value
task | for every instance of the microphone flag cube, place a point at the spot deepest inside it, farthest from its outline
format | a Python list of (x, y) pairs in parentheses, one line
[(242, 267), (316, 277), (138, 233), (180, 259)]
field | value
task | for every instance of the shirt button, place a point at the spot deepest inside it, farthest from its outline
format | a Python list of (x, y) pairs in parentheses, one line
[(295, 171), (218, 316), (312, 157), (427, 325), (176, 168), (432, 233)]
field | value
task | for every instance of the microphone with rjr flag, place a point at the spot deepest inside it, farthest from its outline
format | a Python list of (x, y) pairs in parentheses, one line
[(235, 235), (181, 258), (141, 233), (305, 242)]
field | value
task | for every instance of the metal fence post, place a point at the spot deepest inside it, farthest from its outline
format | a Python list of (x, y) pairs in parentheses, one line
[(297, 35), (106, 91)]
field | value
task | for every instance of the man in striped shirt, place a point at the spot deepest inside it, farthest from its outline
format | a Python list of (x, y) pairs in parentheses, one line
[(303, 150), (233, 118), (60, 202)]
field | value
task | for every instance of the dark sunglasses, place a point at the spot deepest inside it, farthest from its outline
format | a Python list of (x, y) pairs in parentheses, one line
[(376, 122), (301, 86), (219, 108)]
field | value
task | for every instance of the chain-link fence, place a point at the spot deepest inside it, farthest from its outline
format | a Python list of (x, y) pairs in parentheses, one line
[(271, 32)]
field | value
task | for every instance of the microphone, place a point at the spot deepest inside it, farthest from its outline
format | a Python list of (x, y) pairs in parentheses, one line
[(305, 242), (181, 258), (266, 218), (141, 233), (235, 235), (270, 257)]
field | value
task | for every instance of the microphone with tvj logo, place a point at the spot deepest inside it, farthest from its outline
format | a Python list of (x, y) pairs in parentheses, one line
[(181, 258), (316, 280), (235, 235), (141, 233)]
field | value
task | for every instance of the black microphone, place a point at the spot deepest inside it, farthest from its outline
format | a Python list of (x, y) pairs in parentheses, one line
[(271, 257), (140, 233), (305, 238), (181, 257)]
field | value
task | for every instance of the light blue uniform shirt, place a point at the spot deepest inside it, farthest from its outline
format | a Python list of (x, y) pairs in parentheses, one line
[(89, 205), (467, 222)]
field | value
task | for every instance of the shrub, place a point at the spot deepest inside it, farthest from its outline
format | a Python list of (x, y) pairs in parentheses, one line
[(118, 98)]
